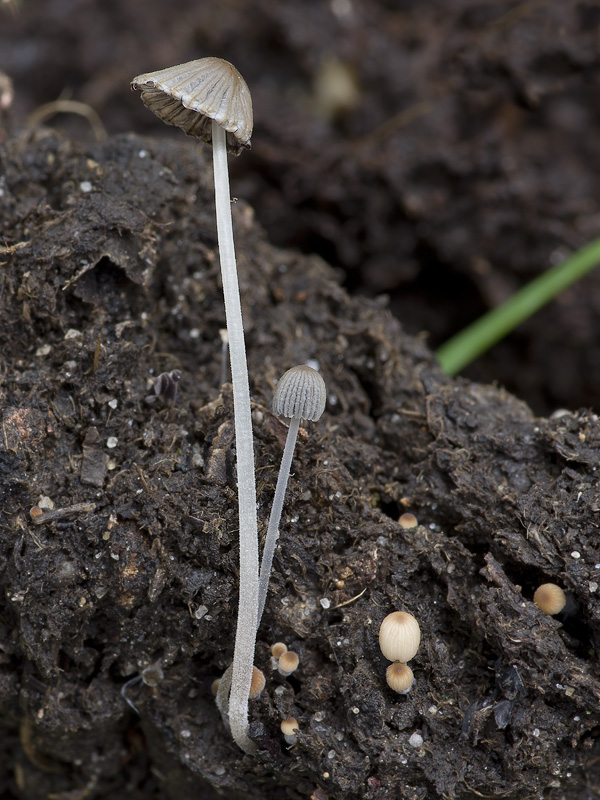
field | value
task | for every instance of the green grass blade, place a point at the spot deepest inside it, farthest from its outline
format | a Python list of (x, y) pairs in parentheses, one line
[(475, 339)]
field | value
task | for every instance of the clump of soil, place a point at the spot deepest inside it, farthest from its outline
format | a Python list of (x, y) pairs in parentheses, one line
[(110, 278), (443, 152)]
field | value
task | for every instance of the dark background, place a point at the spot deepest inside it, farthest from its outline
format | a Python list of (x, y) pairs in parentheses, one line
[(444, 153)]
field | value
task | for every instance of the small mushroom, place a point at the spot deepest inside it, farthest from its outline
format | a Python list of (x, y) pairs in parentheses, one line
[(278, 649), (210, 100), (153, 674), (257, 684), (407, 521), (399, 677), (550, 598), (399, 636), (289, 728), (300, 394), (288, 663)]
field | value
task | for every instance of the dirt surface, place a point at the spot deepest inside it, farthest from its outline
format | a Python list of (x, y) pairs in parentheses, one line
[(443, 152), (109, 278), (456, 160)]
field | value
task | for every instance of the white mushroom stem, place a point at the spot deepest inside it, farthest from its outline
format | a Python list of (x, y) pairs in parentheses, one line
[(245, 640), (275, 516)]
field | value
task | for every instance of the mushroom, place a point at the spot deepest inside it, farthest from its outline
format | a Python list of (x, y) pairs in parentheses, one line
[(407, 521), (399, 636), (257, 684), (300, 394), (288, 663), (278, 649), (399, 677), (210, 100), (550, 598), (289, 728)]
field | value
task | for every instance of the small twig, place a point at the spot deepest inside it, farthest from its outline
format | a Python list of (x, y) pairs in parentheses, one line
[(352, 599), (62, 513), (9, 249), (96, 362)]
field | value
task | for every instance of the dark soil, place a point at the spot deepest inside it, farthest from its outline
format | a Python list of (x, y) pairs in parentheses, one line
[(109, 277)]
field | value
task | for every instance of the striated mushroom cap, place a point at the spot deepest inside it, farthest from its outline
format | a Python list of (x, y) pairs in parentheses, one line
[(399, 677), (550, 598), (300, 393), (192, 95), (399, 636)]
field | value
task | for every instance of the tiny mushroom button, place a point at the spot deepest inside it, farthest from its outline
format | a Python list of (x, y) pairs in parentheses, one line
[(399, 677), (550, 598), (399, 636)]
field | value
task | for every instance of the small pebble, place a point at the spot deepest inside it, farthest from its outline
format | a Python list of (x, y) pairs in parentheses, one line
[(416, 741)]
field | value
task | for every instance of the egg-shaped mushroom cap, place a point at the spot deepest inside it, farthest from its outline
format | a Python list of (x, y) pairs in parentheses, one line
[(550, 598), (399, 677), (301, 394), (399, 636), (193, 94)]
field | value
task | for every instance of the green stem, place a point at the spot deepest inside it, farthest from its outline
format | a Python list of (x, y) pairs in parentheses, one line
[(475, 339)]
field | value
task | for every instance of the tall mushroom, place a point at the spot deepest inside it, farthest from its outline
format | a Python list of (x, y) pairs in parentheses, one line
[(300, 394), (209, 99)]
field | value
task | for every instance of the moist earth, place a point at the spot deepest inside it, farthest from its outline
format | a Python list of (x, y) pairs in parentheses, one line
[(443, 152), (118, 529)]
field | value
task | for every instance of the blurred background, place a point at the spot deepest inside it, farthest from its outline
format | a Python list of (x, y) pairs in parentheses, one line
[(442, 153)]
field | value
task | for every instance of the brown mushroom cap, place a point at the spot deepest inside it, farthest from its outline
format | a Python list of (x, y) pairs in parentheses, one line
[(399, 677), (278, 649), (257, 684), (288, 662), (408, 521), (192, 95), (289, 726), (550, 598)]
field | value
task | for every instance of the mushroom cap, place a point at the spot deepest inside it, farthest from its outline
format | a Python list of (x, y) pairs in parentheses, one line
[(549, 598), (278, 649), (399, 636), (408, 521), (257, 684), (193, 94), (289, 726), (300, 394), (399, 677), (288, 662)]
